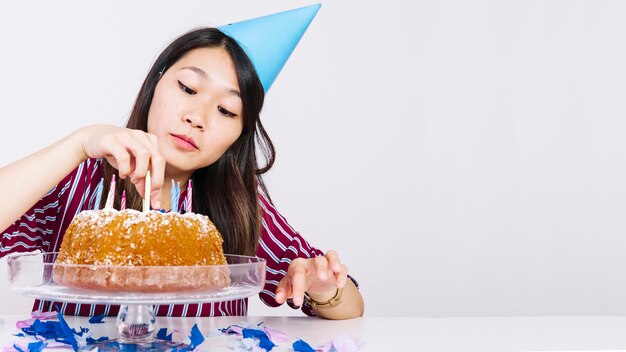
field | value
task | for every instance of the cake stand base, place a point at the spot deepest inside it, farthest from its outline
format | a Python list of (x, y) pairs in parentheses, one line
[(115, 345), (136, 324)]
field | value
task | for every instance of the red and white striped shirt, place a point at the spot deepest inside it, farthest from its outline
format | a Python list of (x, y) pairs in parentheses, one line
[(43, 226)]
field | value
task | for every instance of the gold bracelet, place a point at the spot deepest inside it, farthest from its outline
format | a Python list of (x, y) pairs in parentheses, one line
[(333, 302)]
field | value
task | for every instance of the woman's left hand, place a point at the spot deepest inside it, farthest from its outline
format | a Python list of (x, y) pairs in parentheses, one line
[(319, 276)]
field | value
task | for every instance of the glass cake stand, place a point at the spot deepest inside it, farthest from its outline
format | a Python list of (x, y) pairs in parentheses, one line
[(33, 274)]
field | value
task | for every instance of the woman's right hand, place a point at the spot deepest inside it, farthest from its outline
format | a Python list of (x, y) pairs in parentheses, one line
[(131, 152)]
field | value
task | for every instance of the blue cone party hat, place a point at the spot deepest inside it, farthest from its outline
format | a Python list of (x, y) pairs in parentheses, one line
[(269, 40)]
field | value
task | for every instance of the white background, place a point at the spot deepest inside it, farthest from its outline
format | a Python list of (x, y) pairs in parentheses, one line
[(465, 158)]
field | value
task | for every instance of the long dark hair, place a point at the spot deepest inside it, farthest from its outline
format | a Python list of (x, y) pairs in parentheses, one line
[(227, 190)]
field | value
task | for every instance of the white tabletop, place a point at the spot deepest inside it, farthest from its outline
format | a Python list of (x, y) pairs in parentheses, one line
[(406, 334)]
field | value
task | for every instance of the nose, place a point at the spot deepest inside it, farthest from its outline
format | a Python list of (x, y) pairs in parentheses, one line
[(195, 122), (197, 118)]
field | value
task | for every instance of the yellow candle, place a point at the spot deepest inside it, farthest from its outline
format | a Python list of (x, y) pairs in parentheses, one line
[(146, 196)]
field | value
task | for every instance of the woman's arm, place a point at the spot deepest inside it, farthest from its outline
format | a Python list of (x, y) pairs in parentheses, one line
[(132, 152), (351, 305), (321, 278), (295, 267), (26, 181)]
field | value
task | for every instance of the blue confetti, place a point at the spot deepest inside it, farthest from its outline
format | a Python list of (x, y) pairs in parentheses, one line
[(116, 346), (301, 346), (196, 339), (264, 340), (97, 319), (37, 346), (82, 331), (184, 349), (57, 330), (60, 331), (196, 336), (92, 341), (150, 346), (252, 333), (45, 329), (228, 331), (162, 335), (19, 335), (67, 333)]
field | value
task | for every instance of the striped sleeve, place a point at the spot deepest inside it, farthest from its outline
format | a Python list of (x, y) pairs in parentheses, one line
[(43, 225), (35, 228), (279, 244)]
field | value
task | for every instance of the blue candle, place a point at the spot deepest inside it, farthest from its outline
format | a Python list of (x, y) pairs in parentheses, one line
[(98, 191), (175, 196)]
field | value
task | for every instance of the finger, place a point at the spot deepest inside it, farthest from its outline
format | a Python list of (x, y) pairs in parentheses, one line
[(153, 138), (282, 291), (150, 142), (141, 154), (112, 161), (141, 187), (321, 265), (333, 260), (122, 159), (152, 159), (138, 163), (142, 162), (342, 277), (157, 170), (298, 285)]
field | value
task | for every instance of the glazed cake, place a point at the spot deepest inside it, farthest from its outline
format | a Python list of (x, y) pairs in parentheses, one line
[(129, 250)]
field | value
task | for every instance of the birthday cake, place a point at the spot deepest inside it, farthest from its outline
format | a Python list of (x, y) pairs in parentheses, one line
[(134, 251)]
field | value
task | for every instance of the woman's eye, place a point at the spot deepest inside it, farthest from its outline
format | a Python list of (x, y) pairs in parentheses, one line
[(186, 89), (225, 112)]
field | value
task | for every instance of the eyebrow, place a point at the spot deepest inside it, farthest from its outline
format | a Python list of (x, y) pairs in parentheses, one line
[(206, 76)]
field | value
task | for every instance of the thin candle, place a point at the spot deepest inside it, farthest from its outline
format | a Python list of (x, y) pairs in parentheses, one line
[(175, 196), (98, 192), (188, 197), (111, 195), (146, 194), (123, 203)]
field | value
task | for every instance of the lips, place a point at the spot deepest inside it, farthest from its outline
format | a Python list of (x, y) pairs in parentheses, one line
[(184, 142)]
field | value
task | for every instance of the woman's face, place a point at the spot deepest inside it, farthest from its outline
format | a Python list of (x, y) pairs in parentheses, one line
[(196, 111)]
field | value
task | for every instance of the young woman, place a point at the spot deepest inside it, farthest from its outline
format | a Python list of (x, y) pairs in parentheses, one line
[(196, 117)]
